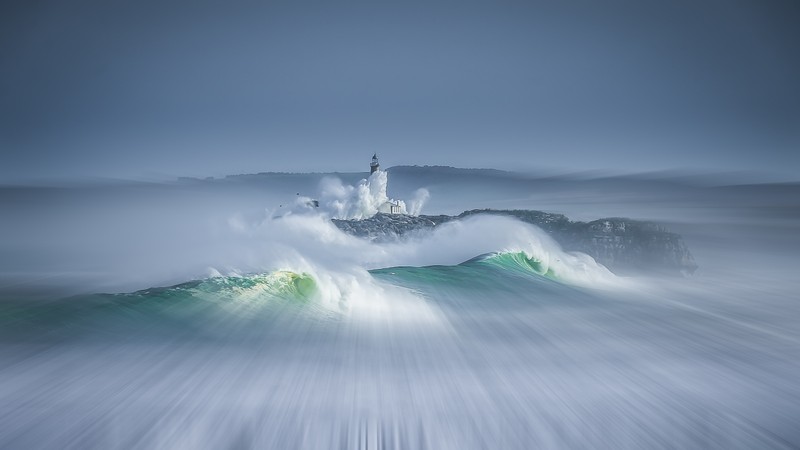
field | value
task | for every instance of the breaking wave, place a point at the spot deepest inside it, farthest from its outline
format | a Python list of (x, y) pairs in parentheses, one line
[(517, 261), (232, 304)]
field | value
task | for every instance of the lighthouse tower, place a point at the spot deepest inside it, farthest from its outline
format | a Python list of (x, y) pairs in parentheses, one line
[(374, 166)]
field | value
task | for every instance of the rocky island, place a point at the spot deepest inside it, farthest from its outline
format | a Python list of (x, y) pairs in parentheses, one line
[(625, 246)]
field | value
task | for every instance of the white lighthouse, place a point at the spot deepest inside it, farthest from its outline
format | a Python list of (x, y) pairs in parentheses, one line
[(374, 166), (379, 181)]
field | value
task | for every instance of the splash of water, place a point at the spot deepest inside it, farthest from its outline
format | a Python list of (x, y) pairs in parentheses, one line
[(364, 200)]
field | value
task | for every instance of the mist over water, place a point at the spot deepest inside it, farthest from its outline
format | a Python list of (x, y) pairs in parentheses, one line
[(231, 314)]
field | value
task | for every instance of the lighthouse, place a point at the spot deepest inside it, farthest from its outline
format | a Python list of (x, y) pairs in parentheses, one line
[(374, 166), (380, 182)]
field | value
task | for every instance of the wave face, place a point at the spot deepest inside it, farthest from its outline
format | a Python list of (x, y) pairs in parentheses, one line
[(482, 332), (211, 307), (221, 306), (518, 261), (490, 269)]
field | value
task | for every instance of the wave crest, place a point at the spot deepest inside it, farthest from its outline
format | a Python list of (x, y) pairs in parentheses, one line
[(282, 283)]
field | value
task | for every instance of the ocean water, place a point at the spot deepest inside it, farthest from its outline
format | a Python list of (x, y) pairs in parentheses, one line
[(223, 314)]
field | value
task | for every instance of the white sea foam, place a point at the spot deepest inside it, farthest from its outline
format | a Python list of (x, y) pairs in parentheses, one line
[(361, 201), (416, 203), (311, 243), (706, 362)]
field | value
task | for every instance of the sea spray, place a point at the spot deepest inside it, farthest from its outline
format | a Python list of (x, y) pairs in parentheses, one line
[(361, 201), (419, 199), (462, 240), (313, 244)]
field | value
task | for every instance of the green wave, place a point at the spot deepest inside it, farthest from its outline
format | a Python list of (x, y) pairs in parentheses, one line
[(211, 305), (515, 261), (282, 284), (485, 273), (251, 304)]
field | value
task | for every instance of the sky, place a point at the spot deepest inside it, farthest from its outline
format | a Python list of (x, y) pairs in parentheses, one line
[(92, 88)]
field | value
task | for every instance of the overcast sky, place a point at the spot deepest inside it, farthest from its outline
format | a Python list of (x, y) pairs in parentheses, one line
[(141, 88)]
